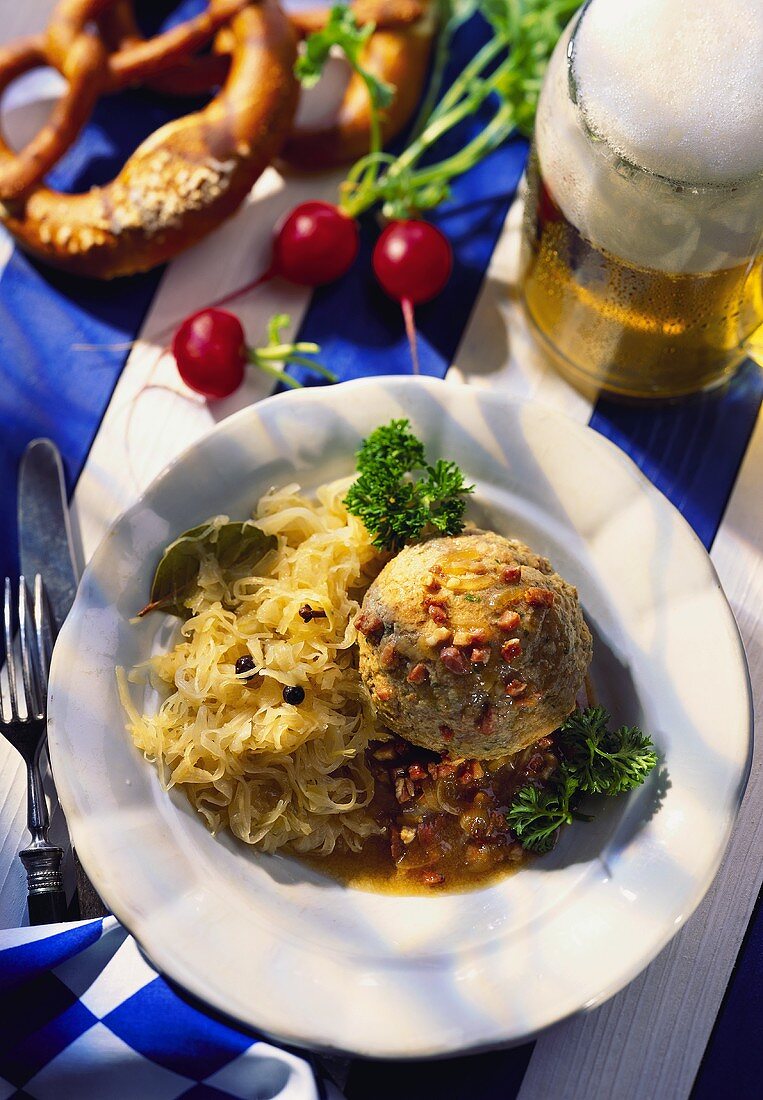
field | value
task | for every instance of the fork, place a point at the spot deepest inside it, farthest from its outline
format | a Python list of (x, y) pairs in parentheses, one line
[(27, 660)]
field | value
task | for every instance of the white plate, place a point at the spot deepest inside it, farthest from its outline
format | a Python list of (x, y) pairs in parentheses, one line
[(293, 953)]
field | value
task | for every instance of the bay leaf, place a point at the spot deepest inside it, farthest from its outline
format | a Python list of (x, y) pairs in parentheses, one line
[(237, 547)]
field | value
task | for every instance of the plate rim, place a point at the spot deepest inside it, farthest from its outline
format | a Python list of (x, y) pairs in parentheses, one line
[(158, 954)]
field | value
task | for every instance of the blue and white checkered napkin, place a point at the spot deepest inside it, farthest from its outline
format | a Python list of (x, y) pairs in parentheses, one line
[(84, 1016)]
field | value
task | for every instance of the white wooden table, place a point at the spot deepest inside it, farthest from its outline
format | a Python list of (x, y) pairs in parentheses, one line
[(649, 1040)]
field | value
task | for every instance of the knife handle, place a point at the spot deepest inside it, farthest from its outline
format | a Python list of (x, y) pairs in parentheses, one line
[(46, 901)]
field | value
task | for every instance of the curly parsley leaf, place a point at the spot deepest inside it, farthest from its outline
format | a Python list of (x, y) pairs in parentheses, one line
[(605, 761), (441, 493), (537, 813), (595, 760), (392, 447), (398, 496)]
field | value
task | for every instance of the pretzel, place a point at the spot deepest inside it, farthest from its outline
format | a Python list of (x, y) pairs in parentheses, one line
[(91, 71), (189, 76), (397, 52), (184, 179), (83, 72), (119, 29)]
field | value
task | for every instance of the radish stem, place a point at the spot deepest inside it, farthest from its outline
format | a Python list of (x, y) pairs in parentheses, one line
[(410, 331)]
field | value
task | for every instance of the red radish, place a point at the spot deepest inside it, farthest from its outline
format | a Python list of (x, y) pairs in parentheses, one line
[(210, 352), (412, 261), (314, 244)]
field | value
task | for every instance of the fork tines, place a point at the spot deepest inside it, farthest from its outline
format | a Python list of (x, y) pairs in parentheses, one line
[(29, 654)]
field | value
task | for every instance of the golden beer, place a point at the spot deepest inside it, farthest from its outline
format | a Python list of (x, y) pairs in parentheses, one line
[(634, 282)]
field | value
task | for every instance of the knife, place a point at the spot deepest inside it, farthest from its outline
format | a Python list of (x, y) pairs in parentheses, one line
[(46, 547), (45, 535)]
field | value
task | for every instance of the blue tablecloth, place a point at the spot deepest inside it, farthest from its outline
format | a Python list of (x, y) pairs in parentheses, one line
[(691, 451)]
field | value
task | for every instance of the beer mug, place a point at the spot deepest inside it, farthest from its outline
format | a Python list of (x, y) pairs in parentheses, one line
[(642, 268)]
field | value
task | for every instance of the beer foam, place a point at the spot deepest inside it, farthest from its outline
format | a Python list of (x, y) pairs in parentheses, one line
[(671, 131), (675, 87)]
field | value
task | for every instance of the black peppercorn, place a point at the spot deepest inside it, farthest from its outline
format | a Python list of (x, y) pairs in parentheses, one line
[(294, 695), (244, 665)]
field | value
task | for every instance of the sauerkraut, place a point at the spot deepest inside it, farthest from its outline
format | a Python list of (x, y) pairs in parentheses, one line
[(275, 774)]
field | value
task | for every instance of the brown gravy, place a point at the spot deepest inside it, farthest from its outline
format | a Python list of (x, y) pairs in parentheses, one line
[(444, 821)]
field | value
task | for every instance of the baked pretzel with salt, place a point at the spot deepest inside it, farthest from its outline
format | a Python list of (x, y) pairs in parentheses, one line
[(185, 178)]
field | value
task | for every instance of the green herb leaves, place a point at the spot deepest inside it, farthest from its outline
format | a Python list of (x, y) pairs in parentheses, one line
[(391, 447), (236, 548), (604, 761), (595, 760), (441, 492), (507, 71), (536, 814), (398, 496), (342, 30)]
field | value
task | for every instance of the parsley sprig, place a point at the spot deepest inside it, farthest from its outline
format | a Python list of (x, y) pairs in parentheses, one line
[(538, 813), (398, 495), (595, 760), (342, 30), (605, 761)]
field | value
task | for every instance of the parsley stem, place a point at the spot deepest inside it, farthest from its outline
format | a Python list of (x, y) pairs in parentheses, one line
[(364, 193), (357, 196), (429, 105), (364, 196), (289, 353), (278, 352), (375, 142), (360, 166), (435, 82), (435, 131), (311, 364)]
